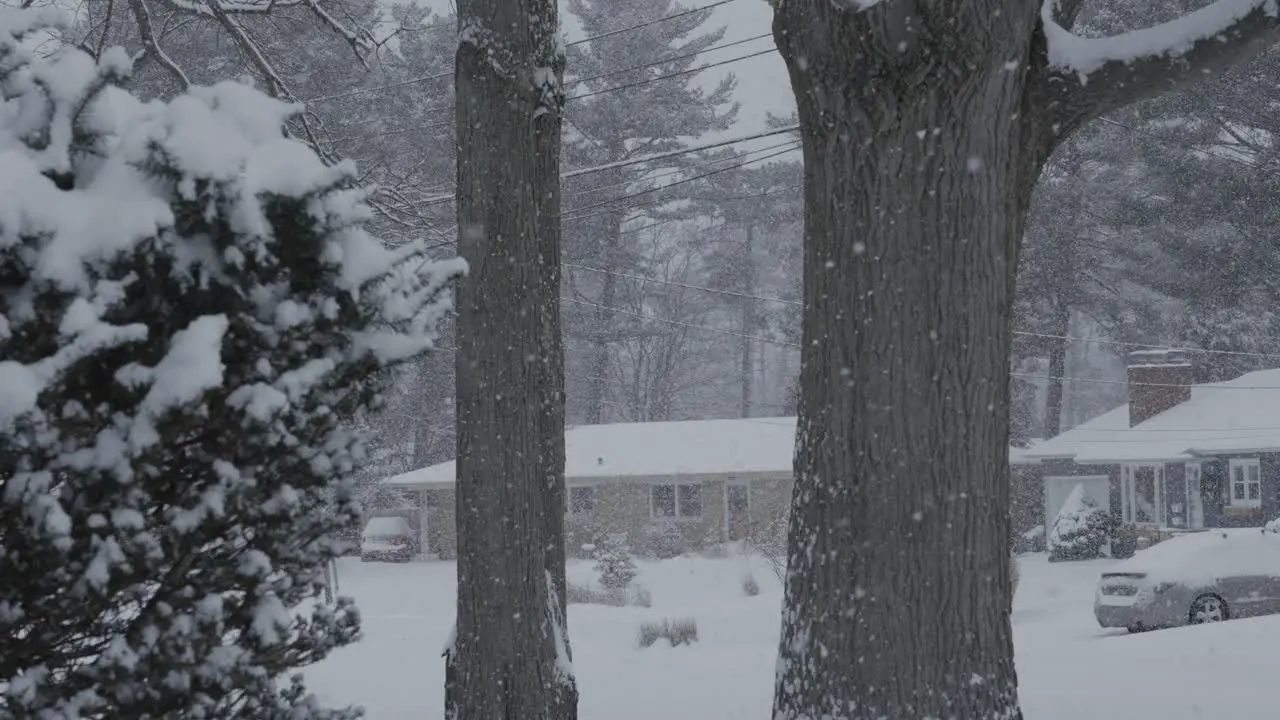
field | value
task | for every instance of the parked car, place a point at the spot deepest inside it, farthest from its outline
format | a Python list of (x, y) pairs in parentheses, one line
[(1201, 577), (388, 538)]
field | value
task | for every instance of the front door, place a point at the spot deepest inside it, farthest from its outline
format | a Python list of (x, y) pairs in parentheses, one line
[(737, 511), (1142, 494), (1195, 500)]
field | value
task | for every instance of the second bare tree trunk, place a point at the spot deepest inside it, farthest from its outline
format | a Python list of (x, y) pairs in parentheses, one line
[(510, 654)]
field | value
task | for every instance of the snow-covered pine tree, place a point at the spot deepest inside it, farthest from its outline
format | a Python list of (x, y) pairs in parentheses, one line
[(614, 563), (189, 308)]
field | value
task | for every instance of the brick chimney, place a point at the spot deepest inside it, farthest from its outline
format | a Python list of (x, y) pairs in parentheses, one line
[(1151, 372)]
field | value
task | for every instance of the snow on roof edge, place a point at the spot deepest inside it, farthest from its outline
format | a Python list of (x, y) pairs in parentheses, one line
[(744, 447)]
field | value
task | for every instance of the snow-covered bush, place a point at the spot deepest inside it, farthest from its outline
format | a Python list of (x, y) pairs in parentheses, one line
[(1081, 530), (681, 631), (189, 309), (770, 543), (634, 594), (664, 539), (614, 563), (750, 587)]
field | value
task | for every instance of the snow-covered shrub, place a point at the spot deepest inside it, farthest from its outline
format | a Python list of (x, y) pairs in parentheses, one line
[(614, 563), (663, 539), (634, 594), (1272, 526), (681, 631), (770, 543), (750, 587), (1081, 530), (189, 310)]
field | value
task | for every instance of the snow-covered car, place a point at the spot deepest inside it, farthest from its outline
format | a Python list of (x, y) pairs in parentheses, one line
[(1202, 577), (387, 538)]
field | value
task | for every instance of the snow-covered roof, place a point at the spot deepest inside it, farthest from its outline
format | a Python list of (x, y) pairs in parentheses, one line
[(387, 527), (1236, 416), (741, 447)]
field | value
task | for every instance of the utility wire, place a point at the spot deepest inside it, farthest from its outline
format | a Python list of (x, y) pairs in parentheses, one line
[(646, 159), (692, 178), (663, 201), (677, 58), (668, 76), (611, 33), (599, 188), (648, 23)]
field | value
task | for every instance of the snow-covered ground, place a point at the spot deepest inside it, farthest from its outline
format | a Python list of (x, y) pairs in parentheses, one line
[(1069, 668)]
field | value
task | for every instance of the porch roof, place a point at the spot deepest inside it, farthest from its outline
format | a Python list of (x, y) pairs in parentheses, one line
[(1240, 416)]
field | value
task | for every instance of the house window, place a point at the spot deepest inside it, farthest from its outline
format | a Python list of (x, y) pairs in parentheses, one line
[(1246, 483), (582, 500), (676, 501)]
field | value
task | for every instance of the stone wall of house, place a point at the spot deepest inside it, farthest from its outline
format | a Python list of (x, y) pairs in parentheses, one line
[(770, 504), (439, 507), (624, 507)]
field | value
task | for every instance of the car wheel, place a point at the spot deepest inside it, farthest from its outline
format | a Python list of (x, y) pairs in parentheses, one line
[(1208, 609)]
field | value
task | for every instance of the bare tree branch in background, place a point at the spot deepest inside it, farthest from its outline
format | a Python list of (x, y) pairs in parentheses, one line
[(142, 15)]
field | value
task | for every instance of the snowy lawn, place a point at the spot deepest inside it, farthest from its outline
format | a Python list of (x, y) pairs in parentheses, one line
[(1069, 668)]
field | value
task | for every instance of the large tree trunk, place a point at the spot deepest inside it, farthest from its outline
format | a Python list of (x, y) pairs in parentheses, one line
[(746, 286), (925, 125), (510, 656), (915, 193)]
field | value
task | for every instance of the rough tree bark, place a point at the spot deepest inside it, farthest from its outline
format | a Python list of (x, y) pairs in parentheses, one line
[(509, 657), (746, 286), (925, 125)]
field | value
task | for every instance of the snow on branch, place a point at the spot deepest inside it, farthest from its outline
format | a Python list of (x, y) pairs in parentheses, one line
[(1106, 73)]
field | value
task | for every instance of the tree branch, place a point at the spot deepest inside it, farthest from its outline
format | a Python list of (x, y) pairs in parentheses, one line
[(360, 40), (147, 33), (1065, 12), (1089, 78)]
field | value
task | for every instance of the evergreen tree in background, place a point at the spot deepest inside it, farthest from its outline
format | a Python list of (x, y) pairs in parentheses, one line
[(605, 123), (190, 313)]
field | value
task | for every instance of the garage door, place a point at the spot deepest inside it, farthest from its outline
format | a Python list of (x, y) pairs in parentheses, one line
[(1056, 490)]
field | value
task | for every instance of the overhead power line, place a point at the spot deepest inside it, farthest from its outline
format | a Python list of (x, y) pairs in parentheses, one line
[(611, 203), (649, 23), (611, 33), (646, 159), (678, 171), (677, 58), (668, 76)]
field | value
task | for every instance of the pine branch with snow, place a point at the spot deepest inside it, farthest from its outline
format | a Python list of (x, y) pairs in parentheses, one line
[(189, 308)]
